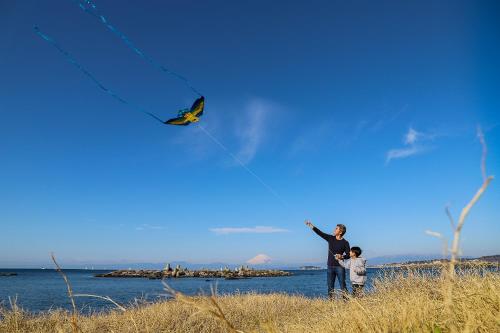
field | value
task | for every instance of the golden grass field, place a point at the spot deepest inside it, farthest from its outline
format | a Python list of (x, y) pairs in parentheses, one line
[(409, 302)]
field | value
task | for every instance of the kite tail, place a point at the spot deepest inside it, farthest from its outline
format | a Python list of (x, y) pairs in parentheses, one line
[(155, 117), (90, 8), (72, 60), (76, 64)]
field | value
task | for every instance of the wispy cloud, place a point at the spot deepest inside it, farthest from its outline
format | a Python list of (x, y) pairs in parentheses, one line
[(259, 259), (335, 131), (403, 152), (253, 230), (251, 130), (413, 140), (149, 227), (411, 137)]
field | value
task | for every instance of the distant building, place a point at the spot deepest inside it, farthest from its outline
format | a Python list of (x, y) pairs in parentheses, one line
[(310, 268)]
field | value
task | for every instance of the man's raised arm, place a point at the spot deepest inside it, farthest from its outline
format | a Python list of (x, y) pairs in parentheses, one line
[(317, 231)]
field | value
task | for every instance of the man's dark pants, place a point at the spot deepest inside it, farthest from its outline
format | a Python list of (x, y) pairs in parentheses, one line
[(332, 273)]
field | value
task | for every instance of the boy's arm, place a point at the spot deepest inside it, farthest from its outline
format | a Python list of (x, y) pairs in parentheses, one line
[(345, 263)]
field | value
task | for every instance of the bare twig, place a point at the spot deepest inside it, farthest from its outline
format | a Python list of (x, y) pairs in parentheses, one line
[(444, 241), (457, 229), (465, 211), (15, 309), (106, 298), (13, 304), (461, 221), (70, 294)]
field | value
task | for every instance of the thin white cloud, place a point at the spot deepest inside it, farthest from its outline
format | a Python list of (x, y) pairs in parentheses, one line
[(412, 136), (403, 152), (412, 139), (254, 230), (149, 227), (251, 132), (259, 259)]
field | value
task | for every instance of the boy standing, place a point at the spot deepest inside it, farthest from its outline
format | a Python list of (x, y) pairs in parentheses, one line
[(357, 269)]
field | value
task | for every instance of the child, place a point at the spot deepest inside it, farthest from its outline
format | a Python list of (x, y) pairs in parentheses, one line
[(357, 267)]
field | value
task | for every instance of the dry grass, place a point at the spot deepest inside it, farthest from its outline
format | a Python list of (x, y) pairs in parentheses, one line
[(403, 302)]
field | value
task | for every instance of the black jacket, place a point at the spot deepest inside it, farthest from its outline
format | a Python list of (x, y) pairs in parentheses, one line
[(335, 246)]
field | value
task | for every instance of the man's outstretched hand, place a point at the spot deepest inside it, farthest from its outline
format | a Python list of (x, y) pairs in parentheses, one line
[(309, 224)]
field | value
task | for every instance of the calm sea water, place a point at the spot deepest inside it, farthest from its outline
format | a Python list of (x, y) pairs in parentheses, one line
[(37, 290)]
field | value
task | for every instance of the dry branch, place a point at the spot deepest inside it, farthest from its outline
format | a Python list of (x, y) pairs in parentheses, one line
[(74, 317)]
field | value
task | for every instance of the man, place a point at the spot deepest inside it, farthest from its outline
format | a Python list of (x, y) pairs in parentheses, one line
[(337, 245)]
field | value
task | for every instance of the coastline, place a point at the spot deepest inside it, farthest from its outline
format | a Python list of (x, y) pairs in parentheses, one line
[(440, 263)]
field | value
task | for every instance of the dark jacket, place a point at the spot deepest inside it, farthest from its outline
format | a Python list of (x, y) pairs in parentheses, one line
[(335, 246)]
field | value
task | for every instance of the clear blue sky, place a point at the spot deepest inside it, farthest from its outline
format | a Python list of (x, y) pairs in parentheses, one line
[(359, 113)]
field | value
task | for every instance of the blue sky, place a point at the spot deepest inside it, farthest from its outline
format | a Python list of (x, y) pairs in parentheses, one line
[(358, 113)]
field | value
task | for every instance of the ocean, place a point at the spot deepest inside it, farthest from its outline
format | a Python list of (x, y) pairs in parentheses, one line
[(41, 290)]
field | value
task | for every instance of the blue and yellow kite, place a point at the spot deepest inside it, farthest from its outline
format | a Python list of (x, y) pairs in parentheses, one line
[(188, 116)]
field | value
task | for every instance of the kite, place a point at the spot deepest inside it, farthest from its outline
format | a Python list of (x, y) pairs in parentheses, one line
[(188, 116), (185, 116)]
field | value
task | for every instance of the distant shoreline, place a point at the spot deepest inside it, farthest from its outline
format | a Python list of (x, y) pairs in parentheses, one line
[(485, 261)]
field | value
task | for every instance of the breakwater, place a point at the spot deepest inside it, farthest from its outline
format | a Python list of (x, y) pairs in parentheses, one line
[(179, 272)]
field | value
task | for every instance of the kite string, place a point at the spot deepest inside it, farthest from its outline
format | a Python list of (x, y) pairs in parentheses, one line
[(243, 165), (92, 10), (72, 60)]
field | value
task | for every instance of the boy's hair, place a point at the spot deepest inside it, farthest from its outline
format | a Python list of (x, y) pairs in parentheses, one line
[(343, 229), (357, 250)]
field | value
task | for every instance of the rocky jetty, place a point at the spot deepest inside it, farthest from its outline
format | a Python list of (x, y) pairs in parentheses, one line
[(179, 272), (8, 274)]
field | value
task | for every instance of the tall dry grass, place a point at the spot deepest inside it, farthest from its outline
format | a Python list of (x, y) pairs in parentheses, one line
[(405, 301)]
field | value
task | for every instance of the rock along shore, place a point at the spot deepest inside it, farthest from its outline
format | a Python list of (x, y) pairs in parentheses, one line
[(178, 272)]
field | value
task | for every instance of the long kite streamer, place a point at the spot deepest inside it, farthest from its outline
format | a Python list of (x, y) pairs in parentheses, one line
[(90, 8), (72, 60)]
